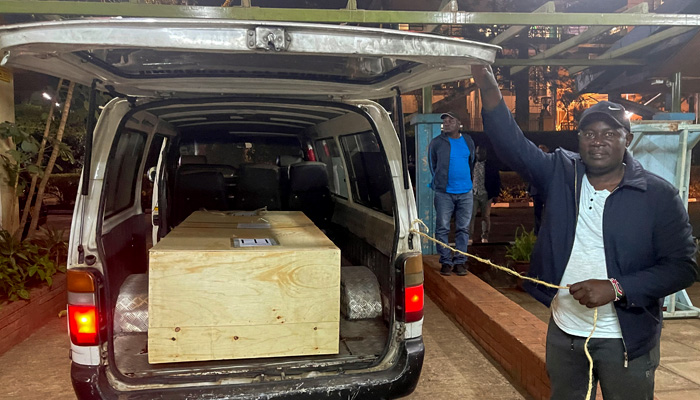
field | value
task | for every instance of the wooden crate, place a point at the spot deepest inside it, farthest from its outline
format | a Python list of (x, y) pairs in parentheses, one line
[(209, 300)]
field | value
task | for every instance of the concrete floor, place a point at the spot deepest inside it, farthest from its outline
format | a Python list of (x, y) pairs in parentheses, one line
[(455, 366), (38, 368)]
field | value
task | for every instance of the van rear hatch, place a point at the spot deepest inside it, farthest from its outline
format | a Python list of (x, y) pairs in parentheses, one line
[(162, 57)]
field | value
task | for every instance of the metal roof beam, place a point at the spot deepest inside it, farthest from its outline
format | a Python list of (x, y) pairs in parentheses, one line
[(548, 7), (585, 37), (445, 6), (567, 62), (75, 8), (640, 44)]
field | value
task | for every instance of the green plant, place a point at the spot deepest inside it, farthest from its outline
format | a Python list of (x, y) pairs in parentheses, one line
[(53, 243), (23, 264), (521, 249), (18, 160)]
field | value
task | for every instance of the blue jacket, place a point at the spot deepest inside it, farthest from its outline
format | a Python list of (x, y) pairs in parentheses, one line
[(647, 235), (439, 159)]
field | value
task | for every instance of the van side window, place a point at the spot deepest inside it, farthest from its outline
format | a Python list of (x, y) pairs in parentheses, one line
[(122, 172), (370, 180), (329, 153)]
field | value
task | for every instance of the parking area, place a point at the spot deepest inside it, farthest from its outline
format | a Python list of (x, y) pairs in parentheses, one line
[(455, 366)]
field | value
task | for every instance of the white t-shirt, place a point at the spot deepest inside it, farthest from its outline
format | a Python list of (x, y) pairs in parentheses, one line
[(587, 261)]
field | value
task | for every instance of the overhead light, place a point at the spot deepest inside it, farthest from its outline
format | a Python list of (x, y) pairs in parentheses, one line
[(46, 96)]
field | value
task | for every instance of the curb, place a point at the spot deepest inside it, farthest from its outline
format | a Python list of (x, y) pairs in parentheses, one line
[(507, 332), (19, 319)]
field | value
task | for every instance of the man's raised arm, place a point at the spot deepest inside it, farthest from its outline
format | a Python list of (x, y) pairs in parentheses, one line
[(486, 81), (510, 144)]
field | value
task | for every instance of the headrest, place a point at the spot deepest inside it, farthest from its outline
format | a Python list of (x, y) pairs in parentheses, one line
[(190, 159), (286, 160)]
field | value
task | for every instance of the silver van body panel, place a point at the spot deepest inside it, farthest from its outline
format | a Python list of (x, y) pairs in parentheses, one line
[(168, 57)]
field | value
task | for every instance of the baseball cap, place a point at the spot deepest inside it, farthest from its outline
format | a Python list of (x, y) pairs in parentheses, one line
[(448, 114), (605, 111)]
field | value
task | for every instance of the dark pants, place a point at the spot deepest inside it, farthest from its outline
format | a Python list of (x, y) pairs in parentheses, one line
[(461, 206), (567, 367)]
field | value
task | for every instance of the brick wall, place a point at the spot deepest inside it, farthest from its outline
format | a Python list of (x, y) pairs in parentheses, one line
[(509, 333), (19, 319)]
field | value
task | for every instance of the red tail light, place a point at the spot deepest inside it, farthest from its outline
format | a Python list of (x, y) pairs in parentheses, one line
[(414, 303), (83, 325), (82, 310)]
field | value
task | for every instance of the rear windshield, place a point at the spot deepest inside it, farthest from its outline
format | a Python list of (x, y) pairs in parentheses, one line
[(149, 63), (235, 152)]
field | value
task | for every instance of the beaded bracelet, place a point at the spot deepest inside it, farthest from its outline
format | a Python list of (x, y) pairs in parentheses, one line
[(617, 288)]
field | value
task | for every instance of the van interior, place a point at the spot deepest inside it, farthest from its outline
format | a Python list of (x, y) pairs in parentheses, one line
[(244, 154)]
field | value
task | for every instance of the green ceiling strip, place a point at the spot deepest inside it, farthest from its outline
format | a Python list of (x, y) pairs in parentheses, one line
[(338, 16), (567, 62), (514, 30)]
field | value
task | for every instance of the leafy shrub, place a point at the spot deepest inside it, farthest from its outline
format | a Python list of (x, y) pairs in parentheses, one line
[(64, 187), (513, 188), (53, 243), (694, 190), (514, 194), (521, 249), (25, 263)]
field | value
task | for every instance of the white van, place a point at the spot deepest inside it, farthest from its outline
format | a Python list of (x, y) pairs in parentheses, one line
[(237, 117)]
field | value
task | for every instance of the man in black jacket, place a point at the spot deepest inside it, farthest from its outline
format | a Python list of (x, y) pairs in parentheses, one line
[(616, 234)]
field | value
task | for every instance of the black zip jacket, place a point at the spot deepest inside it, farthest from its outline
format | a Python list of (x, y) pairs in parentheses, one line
[(647, 235), (439, 159)]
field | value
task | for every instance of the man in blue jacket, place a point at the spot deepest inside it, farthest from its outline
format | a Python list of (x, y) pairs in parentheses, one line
[(616, 234), (451, 156)]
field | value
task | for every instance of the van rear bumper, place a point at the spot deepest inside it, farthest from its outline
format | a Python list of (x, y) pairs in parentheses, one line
[(90, 383)]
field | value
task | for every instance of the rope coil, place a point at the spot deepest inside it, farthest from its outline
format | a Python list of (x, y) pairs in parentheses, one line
[(510, 271)]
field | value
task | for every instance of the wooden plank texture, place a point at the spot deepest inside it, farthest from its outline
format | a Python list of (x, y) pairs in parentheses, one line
[(209, 300), (232, 342)]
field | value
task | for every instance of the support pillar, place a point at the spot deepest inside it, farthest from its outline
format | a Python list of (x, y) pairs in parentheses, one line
[(427, 127), (427, 100), (9, 207), (521, 81), (676, 93)]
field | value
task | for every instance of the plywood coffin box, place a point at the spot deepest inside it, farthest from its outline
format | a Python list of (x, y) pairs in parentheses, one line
[(209, 300)]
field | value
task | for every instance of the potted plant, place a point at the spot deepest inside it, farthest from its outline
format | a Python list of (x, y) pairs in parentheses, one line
[(521, 249)]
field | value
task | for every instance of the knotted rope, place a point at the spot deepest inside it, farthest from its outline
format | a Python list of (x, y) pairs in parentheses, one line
[(510, 271)]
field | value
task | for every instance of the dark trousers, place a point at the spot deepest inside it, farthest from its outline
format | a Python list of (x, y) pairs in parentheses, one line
[(567, 367)]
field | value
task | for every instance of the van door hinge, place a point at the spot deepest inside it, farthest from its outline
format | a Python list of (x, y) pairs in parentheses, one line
[(268, 38)]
